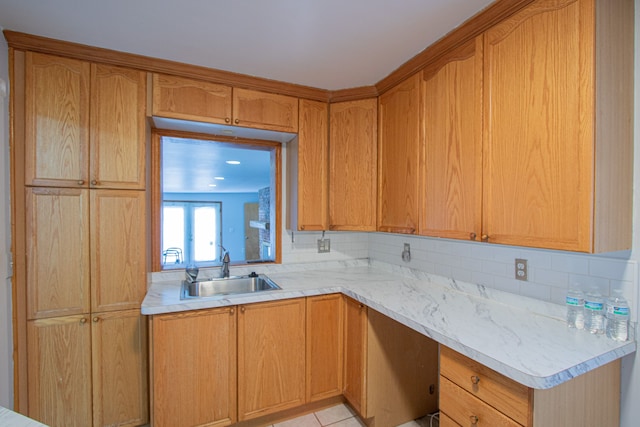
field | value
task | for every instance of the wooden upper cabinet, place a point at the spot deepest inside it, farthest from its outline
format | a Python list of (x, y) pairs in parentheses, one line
[(558, 126), (118, 249), (262, 110), (353, 165), (271, 362), (56, 121), (398, 157), (118, 127), (452, 170), (189, 99), (307, 171), (84, 124), (57, 245)]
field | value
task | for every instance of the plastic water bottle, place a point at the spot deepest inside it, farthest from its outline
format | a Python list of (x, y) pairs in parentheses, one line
[(617, 317), (575, 308), (594, 312)]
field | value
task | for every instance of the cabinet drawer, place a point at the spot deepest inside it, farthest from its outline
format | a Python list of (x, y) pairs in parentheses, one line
[(506, 395), (465, 409)]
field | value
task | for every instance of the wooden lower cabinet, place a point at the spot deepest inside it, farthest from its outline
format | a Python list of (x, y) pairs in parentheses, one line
[(325, 343), (76, 360), (193, 368), (471, 393), (391, 371), (271, 357)]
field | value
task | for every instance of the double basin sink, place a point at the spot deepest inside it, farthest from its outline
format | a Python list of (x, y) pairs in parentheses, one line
[(227, 286)]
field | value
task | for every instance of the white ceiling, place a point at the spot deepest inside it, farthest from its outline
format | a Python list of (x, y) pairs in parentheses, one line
[(326, 44)]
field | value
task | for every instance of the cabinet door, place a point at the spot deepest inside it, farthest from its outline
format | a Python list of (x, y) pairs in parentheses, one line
[(538, 115), (355, 355), (325, 342), (189, 99), (57, 243), (398, 157), (308, 160), (193, 368), (271, 361), (353, 157), (263, 110), (120, 379), (452, 97), (59, 365), (118, 127), (56, 121), (118, 250)]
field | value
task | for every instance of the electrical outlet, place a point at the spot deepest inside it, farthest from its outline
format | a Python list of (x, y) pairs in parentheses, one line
[(324, 246), (406, 253), (521, 269)]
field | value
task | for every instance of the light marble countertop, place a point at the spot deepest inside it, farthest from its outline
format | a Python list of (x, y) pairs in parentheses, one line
[(9, 418), (522, 338)]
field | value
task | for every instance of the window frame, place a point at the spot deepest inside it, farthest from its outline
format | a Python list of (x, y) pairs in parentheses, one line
[(275, 148)]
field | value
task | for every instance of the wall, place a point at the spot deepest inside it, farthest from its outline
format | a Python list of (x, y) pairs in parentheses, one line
[(6, 343)]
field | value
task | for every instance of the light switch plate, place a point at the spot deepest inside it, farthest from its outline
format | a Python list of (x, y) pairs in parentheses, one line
[(324, 246)]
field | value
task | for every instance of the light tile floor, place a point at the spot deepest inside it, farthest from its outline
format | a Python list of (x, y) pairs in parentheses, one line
[(342, 416)]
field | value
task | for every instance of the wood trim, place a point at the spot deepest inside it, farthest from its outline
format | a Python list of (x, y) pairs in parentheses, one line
[(156, 184), (353, 94), (22, 41), (18, 226), (471, 28)]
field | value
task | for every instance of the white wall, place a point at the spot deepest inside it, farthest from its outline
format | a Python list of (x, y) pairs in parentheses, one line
[(6, 343)]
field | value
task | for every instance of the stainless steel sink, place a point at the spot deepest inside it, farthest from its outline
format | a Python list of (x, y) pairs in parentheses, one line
[(227, 286)]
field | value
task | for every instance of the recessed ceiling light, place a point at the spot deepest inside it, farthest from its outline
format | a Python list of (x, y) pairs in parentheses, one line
[(233, 162), (212, 185), (219, 178)]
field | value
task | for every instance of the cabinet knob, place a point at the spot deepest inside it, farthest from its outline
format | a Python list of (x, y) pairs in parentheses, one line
[(232, 311), (236, 121), (80, 182), (485, 238), (94, 182), (473, 236), (242, 309), (96, 319), (83, 320), (474, 419), (475, 379), (227, 120)]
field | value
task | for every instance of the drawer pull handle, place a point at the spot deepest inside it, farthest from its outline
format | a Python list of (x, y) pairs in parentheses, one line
[(474, 419), (475, 379)]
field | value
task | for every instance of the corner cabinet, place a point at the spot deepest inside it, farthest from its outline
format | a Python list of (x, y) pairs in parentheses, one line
[(353, 165), (399, 142), (472, 394), (558, 99)]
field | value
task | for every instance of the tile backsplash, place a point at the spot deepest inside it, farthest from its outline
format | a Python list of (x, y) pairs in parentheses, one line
[(550, 273)]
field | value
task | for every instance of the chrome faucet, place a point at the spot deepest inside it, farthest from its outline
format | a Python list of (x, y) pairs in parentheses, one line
[(225, 263)]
